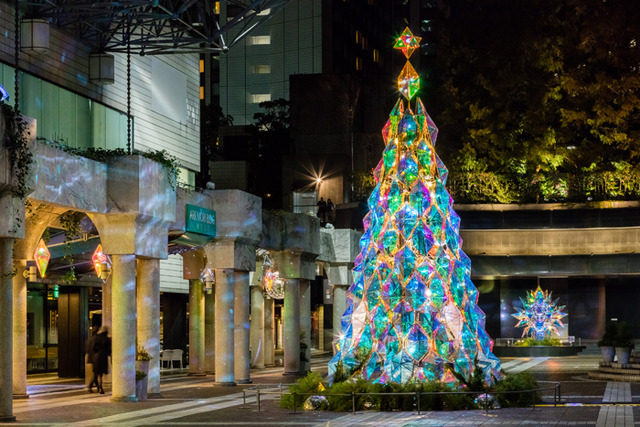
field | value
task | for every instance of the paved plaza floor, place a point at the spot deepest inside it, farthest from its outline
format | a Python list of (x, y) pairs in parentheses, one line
[(195, 401)]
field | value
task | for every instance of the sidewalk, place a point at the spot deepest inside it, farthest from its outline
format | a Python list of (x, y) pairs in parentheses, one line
[(195, 401)]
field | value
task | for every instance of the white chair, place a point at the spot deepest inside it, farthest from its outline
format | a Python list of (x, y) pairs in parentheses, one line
[(176, 356), (166, 356)]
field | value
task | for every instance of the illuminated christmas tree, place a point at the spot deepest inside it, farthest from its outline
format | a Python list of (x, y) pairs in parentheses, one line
[(412, 310), (539, 314)]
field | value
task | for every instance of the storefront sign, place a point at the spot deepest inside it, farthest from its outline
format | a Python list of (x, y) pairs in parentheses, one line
[(200, 220)]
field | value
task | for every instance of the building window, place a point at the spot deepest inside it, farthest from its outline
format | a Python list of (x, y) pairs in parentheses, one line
[(264, 12), (257, 98), (359, 63), (365, 43), (202, 65), (261, 69), (201, 92), (376, 55), (256, 40), (358, 35), (217, 6)]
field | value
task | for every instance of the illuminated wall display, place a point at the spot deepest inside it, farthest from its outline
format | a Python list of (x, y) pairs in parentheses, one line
[(539, 315)]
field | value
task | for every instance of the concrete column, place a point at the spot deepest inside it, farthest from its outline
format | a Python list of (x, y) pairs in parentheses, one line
[(224, 365), (269, 333), (106, 302), (209, 333), (257, 327), (291, 322), (242, 306), (20, 331), (305, 323), (6, 329), (123, 331), (339, 307), (196, 328), (148, 302)]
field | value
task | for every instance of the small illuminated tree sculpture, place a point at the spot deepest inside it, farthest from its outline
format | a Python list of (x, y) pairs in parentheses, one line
[(539, 315), (412, 312)]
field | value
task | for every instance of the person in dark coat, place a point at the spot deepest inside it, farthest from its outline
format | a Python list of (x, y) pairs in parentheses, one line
[(89, 350), (101, 353)]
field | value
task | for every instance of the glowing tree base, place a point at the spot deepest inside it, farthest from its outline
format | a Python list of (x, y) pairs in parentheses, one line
[(412, 312)]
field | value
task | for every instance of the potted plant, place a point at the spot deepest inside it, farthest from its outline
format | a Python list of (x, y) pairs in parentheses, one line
[(142, 359), (606, 344), (141, 385), (624, 342)]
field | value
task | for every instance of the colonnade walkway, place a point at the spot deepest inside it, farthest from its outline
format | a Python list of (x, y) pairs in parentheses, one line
[(195, 401)]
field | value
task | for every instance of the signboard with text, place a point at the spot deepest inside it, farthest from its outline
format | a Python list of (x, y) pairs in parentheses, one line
[(200, 220)]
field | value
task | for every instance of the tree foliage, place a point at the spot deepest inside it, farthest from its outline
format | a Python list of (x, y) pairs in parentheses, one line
[(535, 93)]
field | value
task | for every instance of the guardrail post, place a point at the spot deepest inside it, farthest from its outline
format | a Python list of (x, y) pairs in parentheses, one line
[(533, 400), (294, 402), (418, 401), (353, 401), (244, 398), (258, 398)]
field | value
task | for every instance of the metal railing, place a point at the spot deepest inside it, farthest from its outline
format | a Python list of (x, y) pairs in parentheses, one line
[(263, 389)]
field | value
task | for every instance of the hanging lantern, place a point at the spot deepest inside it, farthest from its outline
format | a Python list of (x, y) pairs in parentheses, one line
[(101, 264), (273, 284), (101, 68), (34, 35), (42, 257)]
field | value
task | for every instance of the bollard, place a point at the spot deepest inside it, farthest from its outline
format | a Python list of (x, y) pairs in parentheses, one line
[(244, 398), (294, 402), (258, 398), (353, 401), (533, 400)]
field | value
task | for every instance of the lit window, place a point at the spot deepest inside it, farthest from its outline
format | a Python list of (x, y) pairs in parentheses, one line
[(264, 12), (260, 97), (357, 36), (202, 65), (201, 92), (261, 69), (376, 55), (365, 43), (217, 8), (359, 64), (255, 40)]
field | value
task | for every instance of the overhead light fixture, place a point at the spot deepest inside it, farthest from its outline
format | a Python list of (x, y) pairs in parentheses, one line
[(101, 68), (34, 35)]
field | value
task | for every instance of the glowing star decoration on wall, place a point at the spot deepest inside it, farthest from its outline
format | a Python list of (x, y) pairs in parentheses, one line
[(539, 315), (42, 257), (412, 311), (101, 263)]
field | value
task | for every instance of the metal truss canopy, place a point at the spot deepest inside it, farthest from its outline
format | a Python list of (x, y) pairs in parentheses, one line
[(152, 27)]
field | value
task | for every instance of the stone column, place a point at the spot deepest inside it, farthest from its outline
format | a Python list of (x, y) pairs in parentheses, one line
[(269, 333), (209, 333), (305, 324), (291, 322), (196, 328), (242, 305), (257, 327), (20, 331), (339, 307), (224, 365), (123, 331), (6, 329), (148, 302), (106, 302)]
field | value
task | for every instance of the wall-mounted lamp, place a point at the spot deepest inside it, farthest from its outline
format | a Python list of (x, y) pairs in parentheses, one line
[(101, 68), (34, 35), (105, 271), (30, 274)]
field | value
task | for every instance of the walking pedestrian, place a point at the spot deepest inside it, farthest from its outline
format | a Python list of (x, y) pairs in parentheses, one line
[(101, 353)]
